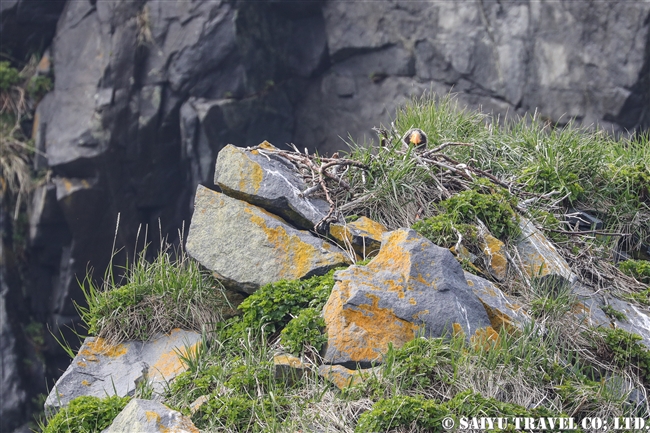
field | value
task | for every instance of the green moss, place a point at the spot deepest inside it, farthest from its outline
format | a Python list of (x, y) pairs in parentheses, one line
[(459, 217), (443, 231), (86, 415), (639, 269), (495, 210), (304, 330)]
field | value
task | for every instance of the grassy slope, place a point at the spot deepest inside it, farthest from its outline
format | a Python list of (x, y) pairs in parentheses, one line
[(564, 369)]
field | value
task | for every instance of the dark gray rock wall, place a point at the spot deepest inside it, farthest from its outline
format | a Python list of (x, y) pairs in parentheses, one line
[(147, 92)]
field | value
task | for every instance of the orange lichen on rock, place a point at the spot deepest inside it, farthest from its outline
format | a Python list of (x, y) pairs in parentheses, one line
[(249, 172), (151, 415), (364, 332), (370, 226), (299, 256), (498, 318), (364, 235), (494, 249), (395, 259), (170, 363), (289, 360), (100, 346), (340, 376)]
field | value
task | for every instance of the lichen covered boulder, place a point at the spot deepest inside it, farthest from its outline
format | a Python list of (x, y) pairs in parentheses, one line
[(413, 287), (146, 416), (247, 247), (363, 235), (102, 369), (268, 181)]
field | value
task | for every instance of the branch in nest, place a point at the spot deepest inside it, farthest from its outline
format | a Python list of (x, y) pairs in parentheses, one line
[(430, 152)]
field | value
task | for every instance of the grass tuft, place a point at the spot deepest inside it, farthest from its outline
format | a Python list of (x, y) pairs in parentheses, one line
[(170, 292)]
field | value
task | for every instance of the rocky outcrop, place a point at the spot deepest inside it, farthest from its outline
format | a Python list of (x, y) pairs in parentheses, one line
[(147, 93), (270, 182), (102, 369), (412, 287), (27, 26), (247, 247)]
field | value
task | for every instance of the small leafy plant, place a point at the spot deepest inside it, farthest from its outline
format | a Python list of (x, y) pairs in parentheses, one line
[(304, 330), (86, 415), (272, 307)]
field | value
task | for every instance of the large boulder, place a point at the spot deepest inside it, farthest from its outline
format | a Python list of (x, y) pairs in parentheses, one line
[(102, 369), (413, 287), (270, 182), (247, 247)]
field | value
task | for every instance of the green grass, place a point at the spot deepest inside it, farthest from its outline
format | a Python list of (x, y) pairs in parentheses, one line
[(170, 292)]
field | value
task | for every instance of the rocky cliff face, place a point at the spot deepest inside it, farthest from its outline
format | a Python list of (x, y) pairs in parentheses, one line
[(147, 92)]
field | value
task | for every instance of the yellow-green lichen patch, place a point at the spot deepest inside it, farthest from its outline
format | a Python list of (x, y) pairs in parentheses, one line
[(100, 346)]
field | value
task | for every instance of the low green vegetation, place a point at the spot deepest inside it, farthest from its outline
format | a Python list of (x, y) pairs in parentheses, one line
[(628, 351), (86, 415), (639, 269), (170, 292), (420, 414), (304, 331), (274, 305)]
